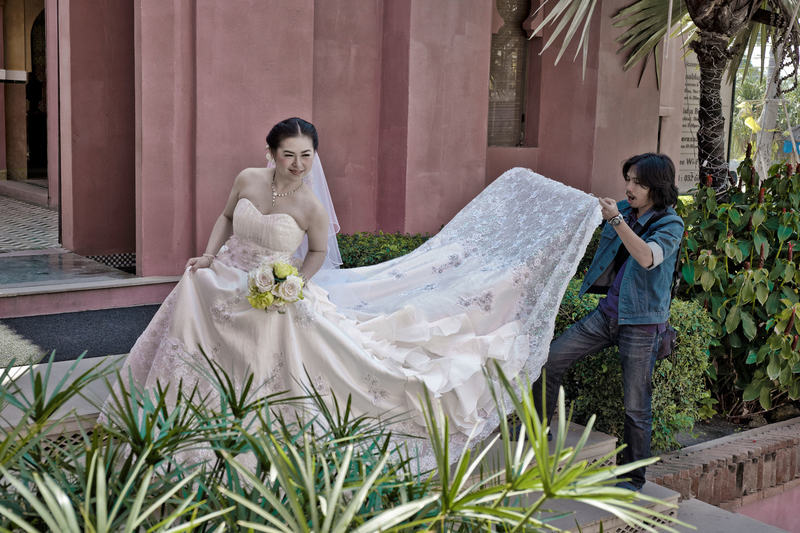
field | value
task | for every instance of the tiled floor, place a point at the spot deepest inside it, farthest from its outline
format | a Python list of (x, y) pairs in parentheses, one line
[(53, 268), (779, 510), (24, 226)]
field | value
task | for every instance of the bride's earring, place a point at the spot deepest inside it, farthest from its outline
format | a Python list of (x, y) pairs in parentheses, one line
[(269, 156)]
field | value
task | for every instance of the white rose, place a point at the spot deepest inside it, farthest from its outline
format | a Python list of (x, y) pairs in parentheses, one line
[(268, 260), (261, 278), (290, 289)]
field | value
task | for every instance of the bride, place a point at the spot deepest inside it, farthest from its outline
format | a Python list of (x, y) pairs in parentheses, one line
[(486, 287)]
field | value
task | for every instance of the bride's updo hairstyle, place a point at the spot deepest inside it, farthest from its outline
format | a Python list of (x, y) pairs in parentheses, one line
[(291, 127)]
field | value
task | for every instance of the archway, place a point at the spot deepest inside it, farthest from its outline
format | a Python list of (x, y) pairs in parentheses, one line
[(35, 93)]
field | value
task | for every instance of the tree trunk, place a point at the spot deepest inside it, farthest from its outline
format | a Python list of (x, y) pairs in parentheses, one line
[(713, 57)]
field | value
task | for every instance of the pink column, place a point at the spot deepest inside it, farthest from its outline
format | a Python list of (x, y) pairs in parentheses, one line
[(589, 125), (394, 131), (97, 126), (627, 111), (347, 104), (164, 36), (53, 152)]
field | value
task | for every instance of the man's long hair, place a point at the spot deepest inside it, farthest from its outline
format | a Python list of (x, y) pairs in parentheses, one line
[(656, 172)]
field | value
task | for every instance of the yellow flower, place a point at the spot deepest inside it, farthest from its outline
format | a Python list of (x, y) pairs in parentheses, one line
[(283, 270)]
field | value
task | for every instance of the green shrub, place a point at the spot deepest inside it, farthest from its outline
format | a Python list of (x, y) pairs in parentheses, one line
[(740, 264), (595, 383), (363, 249)]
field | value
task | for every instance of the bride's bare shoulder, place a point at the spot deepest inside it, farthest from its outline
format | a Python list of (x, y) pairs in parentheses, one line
[(250, 174)]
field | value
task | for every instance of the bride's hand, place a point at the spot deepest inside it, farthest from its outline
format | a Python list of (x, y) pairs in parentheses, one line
[(198, 262)]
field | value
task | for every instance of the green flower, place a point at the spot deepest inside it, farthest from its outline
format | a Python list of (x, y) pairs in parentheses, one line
[(260, 300), (284, 270)]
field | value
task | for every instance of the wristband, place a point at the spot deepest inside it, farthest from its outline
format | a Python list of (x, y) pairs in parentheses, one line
[(210, 257)]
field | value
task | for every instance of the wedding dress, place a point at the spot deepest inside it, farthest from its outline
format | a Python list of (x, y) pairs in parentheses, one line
[(486, 288)]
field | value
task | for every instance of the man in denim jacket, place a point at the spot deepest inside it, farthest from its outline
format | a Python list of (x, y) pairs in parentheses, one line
[(635, 271)]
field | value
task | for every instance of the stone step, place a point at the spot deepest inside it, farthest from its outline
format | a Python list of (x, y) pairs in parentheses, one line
[(597, 448), (586, 518), (83, 408), (75, 295)]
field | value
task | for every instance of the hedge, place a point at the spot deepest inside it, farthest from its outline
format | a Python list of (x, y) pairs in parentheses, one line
[(363, 248)]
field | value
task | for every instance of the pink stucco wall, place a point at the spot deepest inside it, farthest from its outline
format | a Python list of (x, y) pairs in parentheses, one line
[(241, 95), (448, 114), (187, 90), (502, 158), (204, 109), (567, 116), (347, 104), (589, 125), (626, 121), (164, 41), (96, 65)]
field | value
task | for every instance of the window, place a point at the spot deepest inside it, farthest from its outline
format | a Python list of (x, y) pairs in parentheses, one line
[(507, 75)]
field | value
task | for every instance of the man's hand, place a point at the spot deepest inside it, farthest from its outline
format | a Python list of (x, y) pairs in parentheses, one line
[(609, 207)]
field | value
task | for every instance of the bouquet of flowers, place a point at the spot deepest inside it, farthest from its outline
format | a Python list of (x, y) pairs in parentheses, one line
[(273, 284)]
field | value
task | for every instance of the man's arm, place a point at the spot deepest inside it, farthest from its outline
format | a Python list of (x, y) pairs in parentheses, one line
[(636, 246)]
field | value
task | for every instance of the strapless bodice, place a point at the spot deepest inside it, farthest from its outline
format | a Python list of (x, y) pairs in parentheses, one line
[(256, 236)]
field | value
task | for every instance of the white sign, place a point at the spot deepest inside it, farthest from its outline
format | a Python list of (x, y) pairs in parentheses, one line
[(689, 166)]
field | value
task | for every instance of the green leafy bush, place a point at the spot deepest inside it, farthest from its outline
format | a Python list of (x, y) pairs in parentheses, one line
[(595, 383), (363, 249), (740, 264)]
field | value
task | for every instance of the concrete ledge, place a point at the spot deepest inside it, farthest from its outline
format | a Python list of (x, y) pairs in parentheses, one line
[(25, 192), (70, 297), (734, 470)]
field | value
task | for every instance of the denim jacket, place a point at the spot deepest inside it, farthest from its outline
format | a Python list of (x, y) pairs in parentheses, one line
[(644, 295)]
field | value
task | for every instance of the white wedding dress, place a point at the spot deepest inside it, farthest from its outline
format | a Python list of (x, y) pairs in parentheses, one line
[(486, 288)]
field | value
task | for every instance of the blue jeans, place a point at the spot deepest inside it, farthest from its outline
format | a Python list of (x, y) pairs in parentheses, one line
[(637, 354)]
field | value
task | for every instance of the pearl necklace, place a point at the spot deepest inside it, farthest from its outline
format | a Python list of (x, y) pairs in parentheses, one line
[(275, 194)]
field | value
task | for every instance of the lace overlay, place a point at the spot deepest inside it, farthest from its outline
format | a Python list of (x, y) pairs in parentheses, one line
[(246, 255), (383, 334)]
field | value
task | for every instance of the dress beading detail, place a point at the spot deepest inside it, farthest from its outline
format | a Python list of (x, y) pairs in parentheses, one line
[(377, 394), (223, 311), (453, 261), (482, 302), (396, 273), (425, 288), (303, 316)]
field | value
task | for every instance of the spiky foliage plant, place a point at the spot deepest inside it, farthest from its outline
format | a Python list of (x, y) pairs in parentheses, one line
[(171, 459)]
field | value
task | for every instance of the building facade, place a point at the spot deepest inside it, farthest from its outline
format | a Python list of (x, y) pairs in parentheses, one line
[(154, 106)]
